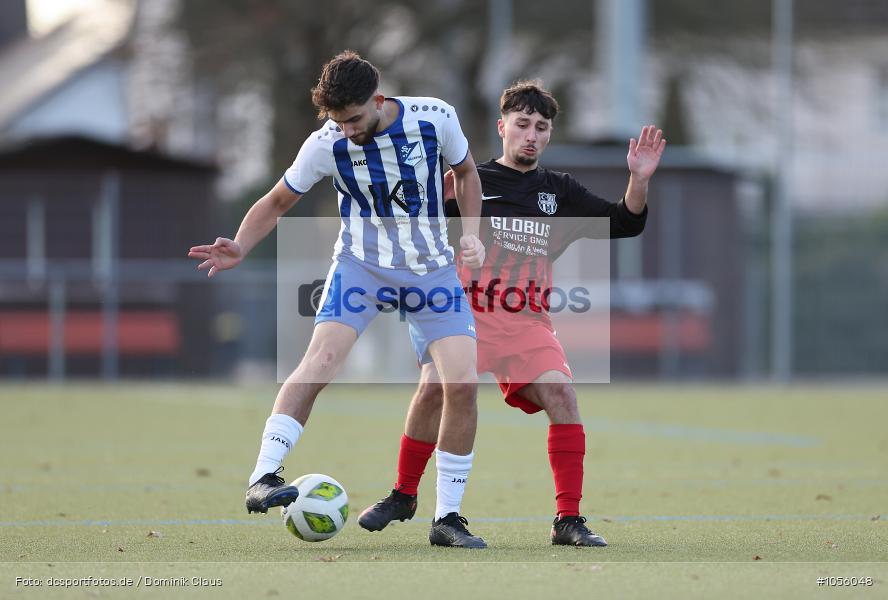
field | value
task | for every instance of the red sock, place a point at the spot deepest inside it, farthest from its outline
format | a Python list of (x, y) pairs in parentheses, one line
[(412, 461), (567, 448)]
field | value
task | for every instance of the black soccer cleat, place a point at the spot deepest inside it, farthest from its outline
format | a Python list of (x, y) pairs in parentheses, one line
[(394, 506), (572, 531), (270, 491), (450, 530)]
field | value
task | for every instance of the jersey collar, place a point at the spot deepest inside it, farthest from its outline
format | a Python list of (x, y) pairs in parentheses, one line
[(394, 125), (515, 172)]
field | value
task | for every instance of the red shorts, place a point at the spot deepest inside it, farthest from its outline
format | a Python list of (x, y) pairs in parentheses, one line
[(518, 358)]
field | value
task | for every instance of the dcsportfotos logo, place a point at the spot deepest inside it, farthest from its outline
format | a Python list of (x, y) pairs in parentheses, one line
[(309, 300), (493, 296)]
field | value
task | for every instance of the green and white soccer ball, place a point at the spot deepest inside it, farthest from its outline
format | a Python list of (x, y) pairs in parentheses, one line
[(321, 510)]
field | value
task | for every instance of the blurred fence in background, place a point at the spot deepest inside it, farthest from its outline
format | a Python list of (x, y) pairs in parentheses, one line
[(689, 299)]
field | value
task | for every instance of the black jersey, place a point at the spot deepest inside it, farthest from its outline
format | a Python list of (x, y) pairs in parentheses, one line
[(529, 219), (543, 193)]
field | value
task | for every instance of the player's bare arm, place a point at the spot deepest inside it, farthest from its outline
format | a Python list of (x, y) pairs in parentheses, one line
[(467, 186), (259, 221), (643, 159), (450, 194)]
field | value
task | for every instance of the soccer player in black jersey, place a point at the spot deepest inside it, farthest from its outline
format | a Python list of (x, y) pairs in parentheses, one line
[(519, 347)]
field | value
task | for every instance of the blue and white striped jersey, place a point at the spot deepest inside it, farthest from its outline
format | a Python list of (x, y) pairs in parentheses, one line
[(390, 189)]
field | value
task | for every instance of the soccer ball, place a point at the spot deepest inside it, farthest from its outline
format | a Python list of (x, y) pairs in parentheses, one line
[(321, 510)]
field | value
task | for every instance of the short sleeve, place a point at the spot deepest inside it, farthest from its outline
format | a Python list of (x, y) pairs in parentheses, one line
[(313, 163), (454, 145)]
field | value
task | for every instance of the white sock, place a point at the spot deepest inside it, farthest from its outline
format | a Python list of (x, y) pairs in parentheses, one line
[(453, 471), (281, 433)]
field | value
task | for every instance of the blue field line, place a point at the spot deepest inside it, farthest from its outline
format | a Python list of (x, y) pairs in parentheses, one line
[(372, 486), (420, 521)]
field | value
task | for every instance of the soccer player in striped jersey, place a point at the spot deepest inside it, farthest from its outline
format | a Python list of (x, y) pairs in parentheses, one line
[(534, 214), (386, 157)]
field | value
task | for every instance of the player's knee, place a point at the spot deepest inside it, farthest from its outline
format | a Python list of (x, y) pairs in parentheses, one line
[(560, 398), (462, 392), (324, 357), (429, 395)]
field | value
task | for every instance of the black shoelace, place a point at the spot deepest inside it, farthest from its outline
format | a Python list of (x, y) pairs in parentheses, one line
[(459, 522), (578, 522), (278, 480)]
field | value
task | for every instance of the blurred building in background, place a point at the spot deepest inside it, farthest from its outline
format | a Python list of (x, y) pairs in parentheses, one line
[(91, 235), (184, 111)]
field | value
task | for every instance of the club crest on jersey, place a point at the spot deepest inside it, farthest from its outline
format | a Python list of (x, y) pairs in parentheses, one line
[(411, 153), (547, 203)]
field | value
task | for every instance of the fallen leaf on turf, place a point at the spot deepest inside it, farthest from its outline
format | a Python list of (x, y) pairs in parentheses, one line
[(22, 555), (104, 531), (606, 520), (374, 558), (329, 558), (832, 544), (154, 534), (774, 472), (202, 472), (875, 517), (823, 497), (62, 514), (756, 557), (119, 548)]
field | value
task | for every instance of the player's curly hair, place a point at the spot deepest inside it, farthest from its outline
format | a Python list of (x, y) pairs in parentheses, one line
[(529, 96), (345, 80)]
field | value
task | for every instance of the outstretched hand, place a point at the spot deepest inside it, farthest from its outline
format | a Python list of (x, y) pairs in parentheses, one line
[(222, 255), (644, 154)]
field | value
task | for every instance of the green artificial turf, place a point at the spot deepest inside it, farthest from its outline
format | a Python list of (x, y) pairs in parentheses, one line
[(700, 491)]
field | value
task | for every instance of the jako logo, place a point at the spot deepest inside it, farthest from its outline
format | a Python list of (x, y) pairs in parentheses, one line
[(275, 438), (359, 163), (458, 480)]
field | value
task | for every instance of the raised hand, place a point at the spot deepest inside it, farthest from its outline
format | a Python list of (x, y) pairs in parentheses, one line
[(222, 255), (644, 155)]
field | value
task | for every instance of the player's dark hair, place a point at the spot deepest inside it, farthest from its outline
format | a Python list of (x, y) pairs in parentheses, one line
[(529, 96), (345, 80)]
